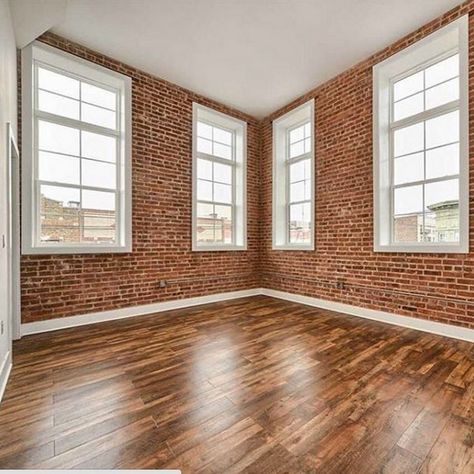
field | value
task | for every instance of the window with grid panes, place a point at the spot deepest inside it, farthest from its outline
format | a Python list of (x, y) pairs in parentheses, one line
[(421, 161), (77, 139), (219, 181)]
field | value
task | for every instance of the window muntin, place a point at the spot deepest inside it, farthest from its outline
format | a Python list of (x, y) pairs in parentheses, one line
[(425, 153), (421, 145), (80, 169), (219, 181)]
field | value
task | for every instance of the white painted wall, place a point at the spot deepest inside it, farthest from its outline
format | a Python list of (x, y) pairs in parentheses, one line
[(8, 113)]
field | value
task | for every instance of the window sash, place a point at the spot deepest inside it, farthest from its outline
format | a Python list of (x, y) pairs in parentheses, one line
[(288, 162), (80, 125), (224, 161), (420, 117)]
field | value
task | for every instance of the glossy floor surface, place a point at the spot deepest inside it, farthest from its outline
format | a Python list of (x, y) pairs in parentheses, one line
[(252, 385)]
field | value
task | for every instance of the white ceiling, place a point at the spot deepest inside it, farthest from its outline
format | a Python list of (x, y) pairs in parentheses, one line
[(254, 55)]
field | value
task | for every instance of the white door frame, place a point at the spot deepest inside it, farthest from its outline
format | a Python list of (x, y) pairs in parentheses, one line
[(13, 234)]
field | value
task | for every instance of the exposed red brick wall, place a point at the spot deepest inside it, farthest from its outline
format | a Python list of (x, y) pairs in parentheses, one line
[(439, 287), (432, 286), (63, 285)]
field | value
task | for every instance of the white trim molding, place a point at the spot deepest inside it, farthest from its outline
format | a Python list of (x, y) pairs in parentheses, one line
[(283, 161), (216, 125), (447, 43), (92, 318), (37, 57), (447, 330), (417, 324), (5, 369)]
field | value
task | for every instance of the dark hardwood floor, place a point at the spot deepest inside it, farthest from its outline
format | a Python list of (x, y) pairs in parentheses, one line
[(251, 385)]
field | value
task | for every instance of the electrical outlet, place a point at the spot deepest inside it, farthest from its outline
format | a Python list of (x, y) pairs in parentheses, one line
[(341, 285), (163, 283)]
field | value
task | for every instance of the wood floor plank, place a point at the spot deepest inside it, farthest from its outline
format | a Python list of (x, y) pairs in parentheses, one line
[(255, 385)]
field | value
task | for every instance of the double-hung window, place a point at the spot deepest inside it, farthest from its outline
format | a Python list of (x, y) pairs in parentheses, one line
[(293, 179), (76, 155), (219, 172), (421, 145)]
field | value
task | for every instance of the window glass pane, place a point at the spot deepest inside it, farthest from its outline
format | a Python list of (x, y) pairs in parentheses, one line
[(408, 86), (408, 140), (98, 96), (443, 161), (408, 168), (98, 200), (307, 145), (204, 190), (297, 192), (223, 224), (56, 104), (98, 174), (58, 138), (408, 228), (205, 222), (222, 136), (204, 130), (441, 193), (98, 227), (300, 223), (296, 149), (297, 171), (222, 193), (442, 225), (223, 151), (204, 169), (407, 107), (58, 168), (55, 82), (442, 71), (98, 116), (408, 200), (204, 146), (442, 130), (99, 147), (442, 94), (307, 130), (223, 173), (57, 198), (297, 134), (60, 211)]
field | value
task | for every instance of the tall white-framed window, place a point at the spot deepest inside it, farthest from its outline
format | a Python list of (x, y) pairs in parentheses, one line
[(293, 179), (421, 152), (219, 181), (76, 155)]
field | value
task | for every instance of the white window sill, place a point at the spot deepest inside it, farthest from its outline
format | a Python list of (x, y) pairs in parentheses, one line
[(423, 248), (50, 250)]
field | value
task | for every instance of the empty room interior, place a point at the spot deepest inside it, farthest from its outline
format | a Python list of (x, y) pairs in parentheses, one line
[(237, 236)]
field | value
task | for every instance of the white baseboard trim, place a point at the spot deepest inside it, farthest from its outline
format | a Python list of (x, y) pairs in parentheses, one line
[(91, 318), (424, 325), (5, 370)]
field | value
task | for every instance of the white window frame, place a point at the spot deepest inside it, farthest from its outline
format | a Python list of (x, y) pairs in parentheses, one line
[(238, 128), (281, 161), (445, 41), (78, 68)]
